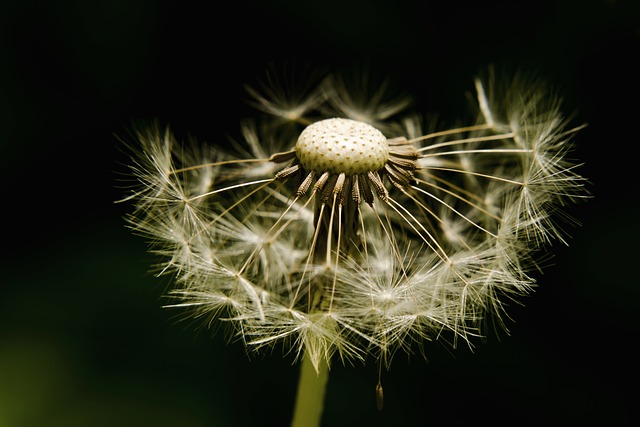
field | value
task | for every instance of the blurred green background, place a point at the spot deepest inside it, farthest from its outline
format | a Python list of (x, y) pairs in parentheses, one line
[(83, 338)]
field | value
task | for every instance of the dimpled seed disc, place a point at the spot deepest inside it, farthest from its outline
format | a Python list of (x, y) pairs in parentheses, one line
[(342, 146)]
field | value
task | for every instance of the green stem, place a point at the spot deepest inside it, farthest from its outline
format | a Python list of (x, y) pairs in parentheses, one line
[(310, 398)]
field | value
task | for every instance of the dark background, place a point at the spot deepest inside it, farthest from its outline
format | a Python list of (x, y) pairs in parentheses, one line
[(83, 338)]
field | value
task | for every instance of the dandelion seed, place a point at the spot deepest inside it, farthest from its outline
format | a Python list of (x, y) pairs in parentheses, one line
[(355, 234), (379, 397)]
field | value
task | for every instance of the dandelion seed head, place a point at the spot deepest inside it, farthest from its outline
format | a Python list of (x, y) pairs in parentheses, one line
[(337, 226)]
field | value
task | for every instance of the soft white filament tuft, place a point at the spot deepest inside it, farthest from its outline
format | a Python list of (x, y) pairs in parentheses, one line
[(360, 234)]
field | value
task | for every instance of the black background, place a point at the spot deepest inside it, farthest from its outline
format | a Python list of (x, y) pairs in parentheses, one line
[(83, 338)]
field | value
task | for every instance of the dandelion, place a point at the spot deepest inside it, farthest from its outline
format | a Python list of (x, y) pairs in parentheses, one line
[(342, 229)]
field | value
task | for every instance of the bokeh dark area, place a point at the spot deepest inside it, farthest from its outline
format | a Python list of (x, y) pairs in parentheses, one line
[(84, 340)]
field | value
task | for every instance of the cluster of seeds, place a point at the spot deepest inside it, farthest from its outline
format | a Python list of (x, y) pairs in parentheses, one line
[(357, 232)]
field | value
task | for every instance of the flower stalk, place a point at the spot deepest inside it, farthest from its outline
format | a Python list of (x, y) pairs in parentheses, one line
[(312, 385)]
